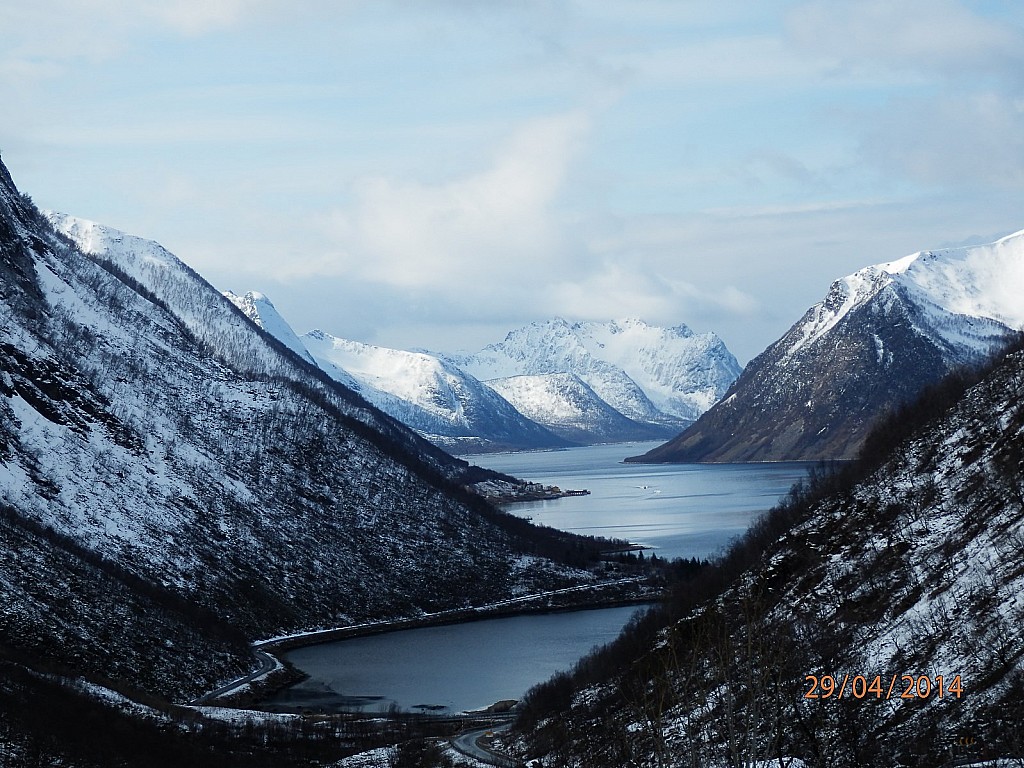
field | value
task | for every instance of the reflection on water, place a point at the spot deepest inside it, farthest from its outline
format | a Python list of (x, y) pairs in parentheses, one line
[(683, 510)]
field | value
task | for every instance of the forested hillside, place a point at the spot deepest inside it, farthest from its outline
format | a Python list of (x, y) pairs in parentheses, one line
[(874, 618), (175, 483)]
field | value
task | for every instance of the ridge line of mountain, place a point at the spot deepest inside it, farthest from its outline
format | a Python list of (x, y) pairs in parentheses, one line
[(878, 337)]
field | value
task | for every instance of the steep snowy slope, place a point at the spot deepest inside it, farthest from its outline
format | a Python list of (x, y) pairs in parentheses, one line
[(875, 620), (261, 311), (221, 325), (445, 405), (659, 377), (170, 474), (876, 339)]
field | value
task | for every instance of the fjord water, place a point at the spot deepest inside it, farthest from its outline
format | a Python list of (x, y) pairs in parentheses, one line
[(450, 668), (680, 510)]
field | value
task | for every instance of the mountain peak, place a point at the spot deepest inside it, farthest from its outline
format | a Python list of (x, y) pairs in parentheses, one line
[(261, 310), (649, 374), (878, 337)]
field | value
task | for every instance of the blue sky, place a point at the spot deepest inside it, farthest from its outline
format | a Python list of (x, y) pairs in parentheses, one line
[(434, 173)]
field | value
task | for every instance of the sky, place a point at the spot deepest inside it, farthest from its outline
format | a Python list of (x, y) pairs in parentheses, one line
[(434, 173)]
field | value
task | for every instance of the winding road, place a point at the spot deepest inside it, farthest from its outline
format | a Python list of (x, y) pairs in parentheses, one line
[(476, 744), (267, 665), (510, 607)]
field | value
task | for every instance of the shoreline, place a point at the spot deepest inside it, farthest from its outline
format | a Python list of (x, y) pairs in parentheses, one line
[(250, 691), (542, 602)]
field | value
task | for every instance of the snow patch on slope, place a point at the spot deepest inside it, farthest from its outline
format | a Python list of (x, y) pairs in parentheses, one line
[(258, 308), (947, 287), (648, 374), (564, 403), (415, 377)]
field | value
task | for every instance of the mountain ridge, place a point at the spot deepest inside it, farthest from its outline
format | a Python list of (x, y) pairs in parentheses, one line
[(173, 479), (659, 379), (872, 343)]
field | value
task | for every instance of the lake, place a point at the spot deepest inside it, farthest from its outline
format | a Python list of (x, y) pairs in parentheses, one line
[(448, 669), (680, 510)]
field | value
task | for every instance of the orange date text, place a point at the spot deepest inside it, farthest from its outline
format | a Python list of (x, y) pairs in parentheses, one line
[(878, 687)]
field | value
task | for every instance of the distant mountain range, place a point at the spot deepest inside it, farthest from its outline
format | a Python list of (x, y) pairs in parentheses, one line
[(607, 382), (441, 402), (877, 338), (547, 385)]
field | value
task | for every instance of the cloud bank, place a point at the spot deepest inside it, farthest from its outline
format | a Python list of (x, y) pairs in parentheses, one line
[(432, 173)]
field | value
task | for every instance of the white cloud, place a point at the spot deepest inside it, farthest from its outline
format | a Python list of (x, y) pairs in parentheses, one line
[(962, 122), (923, 35), (196, 17), (695, 165), (953, 140), (43, 37), (498, 223), (731, 60), (618, 288)]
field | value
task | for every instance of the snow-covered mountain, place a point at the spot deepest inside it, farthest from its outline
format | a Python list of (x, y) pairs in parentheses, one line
[(659, 378), (878, 337), (175, 481), (150, 268), (262, 311), (446, 406), (441, 402), (567, 406), (442, 398)]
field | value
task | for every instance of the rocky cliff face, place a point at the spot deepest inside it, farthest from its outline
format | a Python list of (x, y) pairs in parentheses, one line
[(253, 304), (876, 339)]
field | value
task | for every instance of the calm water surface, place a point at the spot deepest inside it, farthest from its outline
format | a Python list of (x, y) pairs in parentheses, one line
[(449, 669), (683, 510)]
